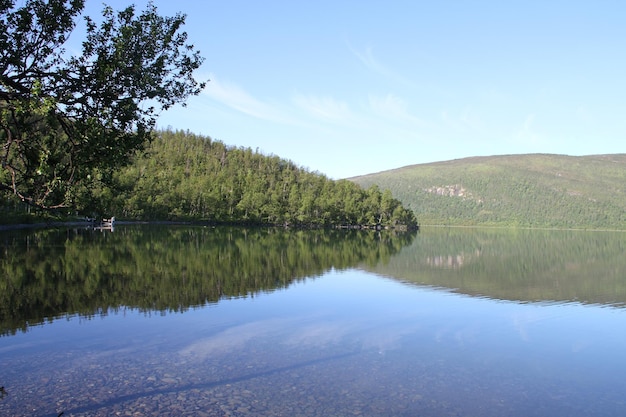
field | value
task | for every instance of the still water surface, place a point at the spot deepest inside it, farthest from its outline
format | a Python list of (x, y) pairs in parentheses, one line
[(231, 322)]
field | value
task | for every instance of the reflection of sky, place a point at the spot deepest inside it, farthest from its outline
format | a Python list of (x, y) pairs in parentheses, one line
[(349, 309), (342, 309), (360, 311), (402, 331)]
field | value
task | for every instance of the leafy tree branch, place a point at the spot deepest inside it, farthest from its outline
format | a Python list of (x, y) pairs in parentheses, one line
[(66, 121)]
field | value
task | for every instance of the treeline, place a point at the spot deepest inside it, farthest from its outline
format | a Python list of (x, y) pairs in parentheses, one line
[(183, 176)]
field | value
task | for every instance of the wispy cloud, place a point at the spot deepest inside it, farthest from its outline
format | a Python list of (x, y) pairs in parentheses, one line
[(324, 108), (465, 120), (235, 97), (370, 62), (315, 108), (392, 107), (367, 58), (527, 134), (373, 111)]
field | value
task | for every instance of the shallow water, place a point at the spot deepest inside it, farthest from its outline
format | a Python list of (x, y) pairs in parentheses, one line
[(342, 342)]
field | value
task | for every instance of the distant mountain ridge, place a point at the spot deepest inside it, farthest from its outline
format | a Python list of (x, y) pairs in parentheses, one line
[(528, 190)]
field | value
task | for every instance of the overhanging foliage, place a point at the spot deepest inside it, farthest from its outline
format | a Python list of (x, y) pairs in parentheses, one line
[(67, 122)]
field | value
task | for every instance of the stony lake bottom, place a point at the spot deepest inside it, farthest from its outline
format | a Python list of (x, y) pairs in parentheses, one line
[(201, 321)]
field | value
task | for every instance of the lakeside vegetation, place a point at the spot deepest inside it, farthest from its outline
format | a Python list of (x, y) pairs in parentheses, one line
[(186, 177), (70, 114), (534, 190)]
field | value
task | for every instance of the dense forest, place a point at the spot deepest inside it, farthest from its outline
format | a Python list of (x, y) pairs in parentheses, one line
[(183, 176), (535, 190)]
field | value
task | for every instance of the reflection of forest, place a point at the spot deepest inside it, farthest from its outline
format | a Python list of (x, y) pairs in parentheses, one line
[(516, 264), (51, 273)]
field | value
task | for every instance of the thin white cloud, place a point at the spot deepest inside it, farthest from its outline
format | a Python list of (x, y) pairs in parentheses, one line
[(370, 62), (389, 105), (392, 107), (382, 112), (464, 120), (527, 134), (235, 97), (324, 108)]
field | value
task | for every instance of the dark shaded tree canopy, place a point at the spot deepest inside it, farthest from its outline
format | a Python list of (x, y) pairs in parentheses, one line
[(66, 120)]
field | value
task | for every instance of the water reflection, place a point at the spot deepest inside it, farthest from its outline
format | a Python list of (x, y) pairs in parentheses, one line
[(51, 273), (371, 347), (187, 321), (518, 265)]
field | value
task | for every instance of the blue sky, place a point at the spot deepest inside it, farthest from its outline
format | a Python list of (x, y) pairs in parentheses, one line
[(353, 87)]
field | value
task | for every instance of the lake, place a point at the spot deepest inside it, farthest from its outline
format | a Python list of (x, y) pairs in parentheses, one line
[(202, 321)]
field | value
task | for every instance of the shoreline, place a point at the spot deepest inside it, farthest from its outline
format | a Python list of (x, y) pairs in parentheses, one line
[(86, 224), (43, 225)]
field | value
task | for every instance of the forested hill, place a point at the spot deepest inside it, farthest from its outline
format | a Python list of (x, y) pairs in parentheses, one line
[(182, 176), (534, 190)]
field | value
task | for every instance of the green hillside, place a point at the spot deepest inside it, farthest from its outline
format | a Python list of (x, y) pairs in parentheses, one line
[(183, 176), (186, 177), (534, 190)]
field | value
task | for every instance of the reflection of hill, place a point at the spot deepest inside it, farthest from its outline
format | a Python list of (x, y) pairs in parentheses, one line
[(451, 261), (518, 265), (49, 273)]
